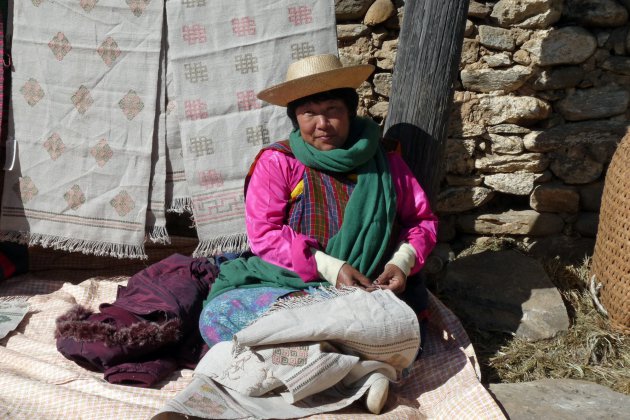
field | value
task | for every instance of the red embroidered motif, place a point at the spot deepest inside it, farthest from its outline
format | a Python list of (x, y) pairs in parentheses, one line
[(194, 34), (300, 15), (244, 26), (247, 100)]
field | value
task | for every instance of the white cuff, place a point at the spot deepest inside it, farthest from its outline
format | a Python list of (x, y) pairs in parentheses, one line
[(327, 267), (404, 258)]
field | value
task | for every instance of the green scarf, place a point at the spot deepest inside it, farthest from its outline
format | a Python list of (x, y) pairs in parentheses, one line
[(368, 218)]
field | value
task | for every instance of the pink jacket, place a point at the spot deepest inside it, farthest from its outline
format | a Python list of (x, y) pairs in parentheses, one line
[(266, 208)]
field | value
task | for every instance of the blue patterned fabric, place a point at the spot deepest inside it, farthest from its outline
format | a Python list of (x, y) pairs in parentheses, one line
[(233, 310)]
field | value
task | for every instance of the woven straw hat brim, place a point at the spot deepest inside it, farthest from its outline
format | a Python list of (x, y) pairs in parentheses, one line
[(345, 77)]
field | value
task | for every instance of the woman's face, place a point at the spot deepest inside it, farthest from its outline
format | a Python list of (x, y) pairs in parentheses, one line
[(324, 125)]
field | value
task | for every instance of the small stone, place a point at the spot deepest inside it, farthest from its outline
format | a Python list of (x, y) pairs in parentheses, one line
[(568, 45), (591, 196), (478, 10), (470, 28), (555, 198), (379, 110), (509, 145), (386, 56), (383, 84), (502, 59), (517, 183), (522, 57), (470, 51), (511, 222), (533, 14), (594, 103), (460, 199), (496, 38), (351, 31), (617, 64), (351, 9), (379, 12), (488, 80), (508, 129), (527, 162), (558, 78), (602, 13)]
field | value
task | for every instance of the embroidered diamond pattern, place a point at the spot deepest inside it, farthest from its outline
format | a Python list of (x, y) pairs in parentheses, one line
[(138, 6), (171, 106), (210, 179), (244, 26), (131, 104), (247, 100), (74, 197), (246, 63), (257, 135), (82, 99), (32, 92), (196, 72), (60, 46), (194, 34), (291, 355), (88, 5), (25, 188), (201, 146), (300, 15), (37, 3), (302, 50), (122, 203), (102, 153), (196, 109), (109, 51), (54, 146)]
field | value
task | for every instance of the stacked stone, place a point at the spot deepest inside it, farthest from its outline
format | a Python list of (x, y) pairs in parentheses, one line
[(539, 107)]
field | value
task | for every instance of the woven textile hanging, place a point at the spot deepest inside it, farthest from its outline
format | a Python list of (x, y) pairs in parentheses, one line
[(611, 259), (126, 110)]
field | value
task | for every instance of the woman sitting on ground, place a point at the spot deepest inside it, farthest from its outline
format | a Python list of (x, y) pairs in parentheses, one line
[(328, 206)]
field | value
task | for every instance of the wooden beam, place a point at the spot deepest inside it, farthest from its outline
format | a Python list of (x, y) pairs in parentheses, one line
[(427, 62)]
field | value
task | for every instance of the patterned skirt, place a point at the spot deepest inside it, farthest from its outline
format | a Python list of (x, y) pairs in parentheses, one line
[(232, 311)]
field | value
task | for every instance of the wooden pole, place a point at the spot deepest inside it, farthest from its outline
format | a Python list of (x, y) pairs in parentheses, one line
[(427, 61)]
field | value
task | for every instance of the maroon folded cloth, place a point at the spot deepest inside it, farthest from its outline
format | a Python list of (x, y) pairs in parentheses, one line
[(144, 374)]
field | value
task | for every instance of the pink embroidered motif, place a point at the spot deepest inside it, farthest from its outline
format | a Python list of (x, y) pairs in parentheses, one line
[(32, 92), (138, 6), (74, 197), (25, 188), (194, 34), (122, 203), (88, 5), (54, 146), (244, 26), (131, 104), (210, 178), (60, 46), (247, 100), (300, 15), (109, 51), (291, 355), (196, 109), (82, 99), (101, 152)]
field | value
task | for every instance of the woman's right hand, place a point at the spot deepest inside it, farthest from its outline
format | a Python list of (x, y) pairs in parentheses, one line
[(350, 276)]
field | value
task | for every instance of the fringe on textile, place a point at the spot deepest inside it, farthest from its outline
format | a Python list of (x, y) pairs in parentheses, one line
[(229, 243), (101, 249), (14, 299), (158, 235), (180, 205)]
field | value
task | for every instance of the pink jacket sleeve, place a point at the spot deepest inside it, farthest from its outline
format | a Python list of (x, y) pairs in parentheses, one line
[(266, 211), (413, 212)]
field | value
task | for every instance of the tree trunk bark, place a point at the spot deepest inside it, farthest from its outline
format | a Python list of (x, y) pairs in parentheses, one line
[(428, 57)]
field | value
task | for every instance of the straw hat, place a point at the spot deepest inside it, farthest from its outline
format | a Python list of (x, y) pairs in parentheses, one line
[(314, 74)]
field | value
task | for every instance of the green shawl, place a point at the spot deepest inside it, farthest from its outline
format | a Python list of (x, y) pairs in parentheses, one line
[(368, 218)]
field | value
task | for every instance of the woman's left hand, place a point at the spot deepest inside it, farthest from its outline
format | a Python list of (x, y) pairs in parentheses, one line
[(392, 278)]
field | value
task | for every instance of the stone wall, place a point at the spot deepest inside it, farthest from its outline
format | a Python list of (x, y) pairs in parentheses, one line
[(540, 103)]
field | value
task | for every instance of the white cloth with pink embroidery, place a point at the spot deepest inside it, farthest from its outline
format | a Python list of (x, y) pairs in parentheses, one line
[(123, 112)]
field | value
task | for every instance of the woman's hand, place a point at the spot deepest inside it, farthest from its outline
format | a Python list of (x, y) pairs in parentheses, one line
[(392, 278), (350, 276)]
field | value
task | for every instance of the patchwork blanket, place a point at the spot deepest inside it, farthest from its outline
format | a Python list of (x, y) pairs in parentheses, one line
[(125, 110), (38, 382)]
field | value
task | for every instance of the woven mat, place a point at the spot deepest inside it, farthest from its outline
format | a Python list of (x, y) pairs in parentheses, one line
[(38, 382)]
